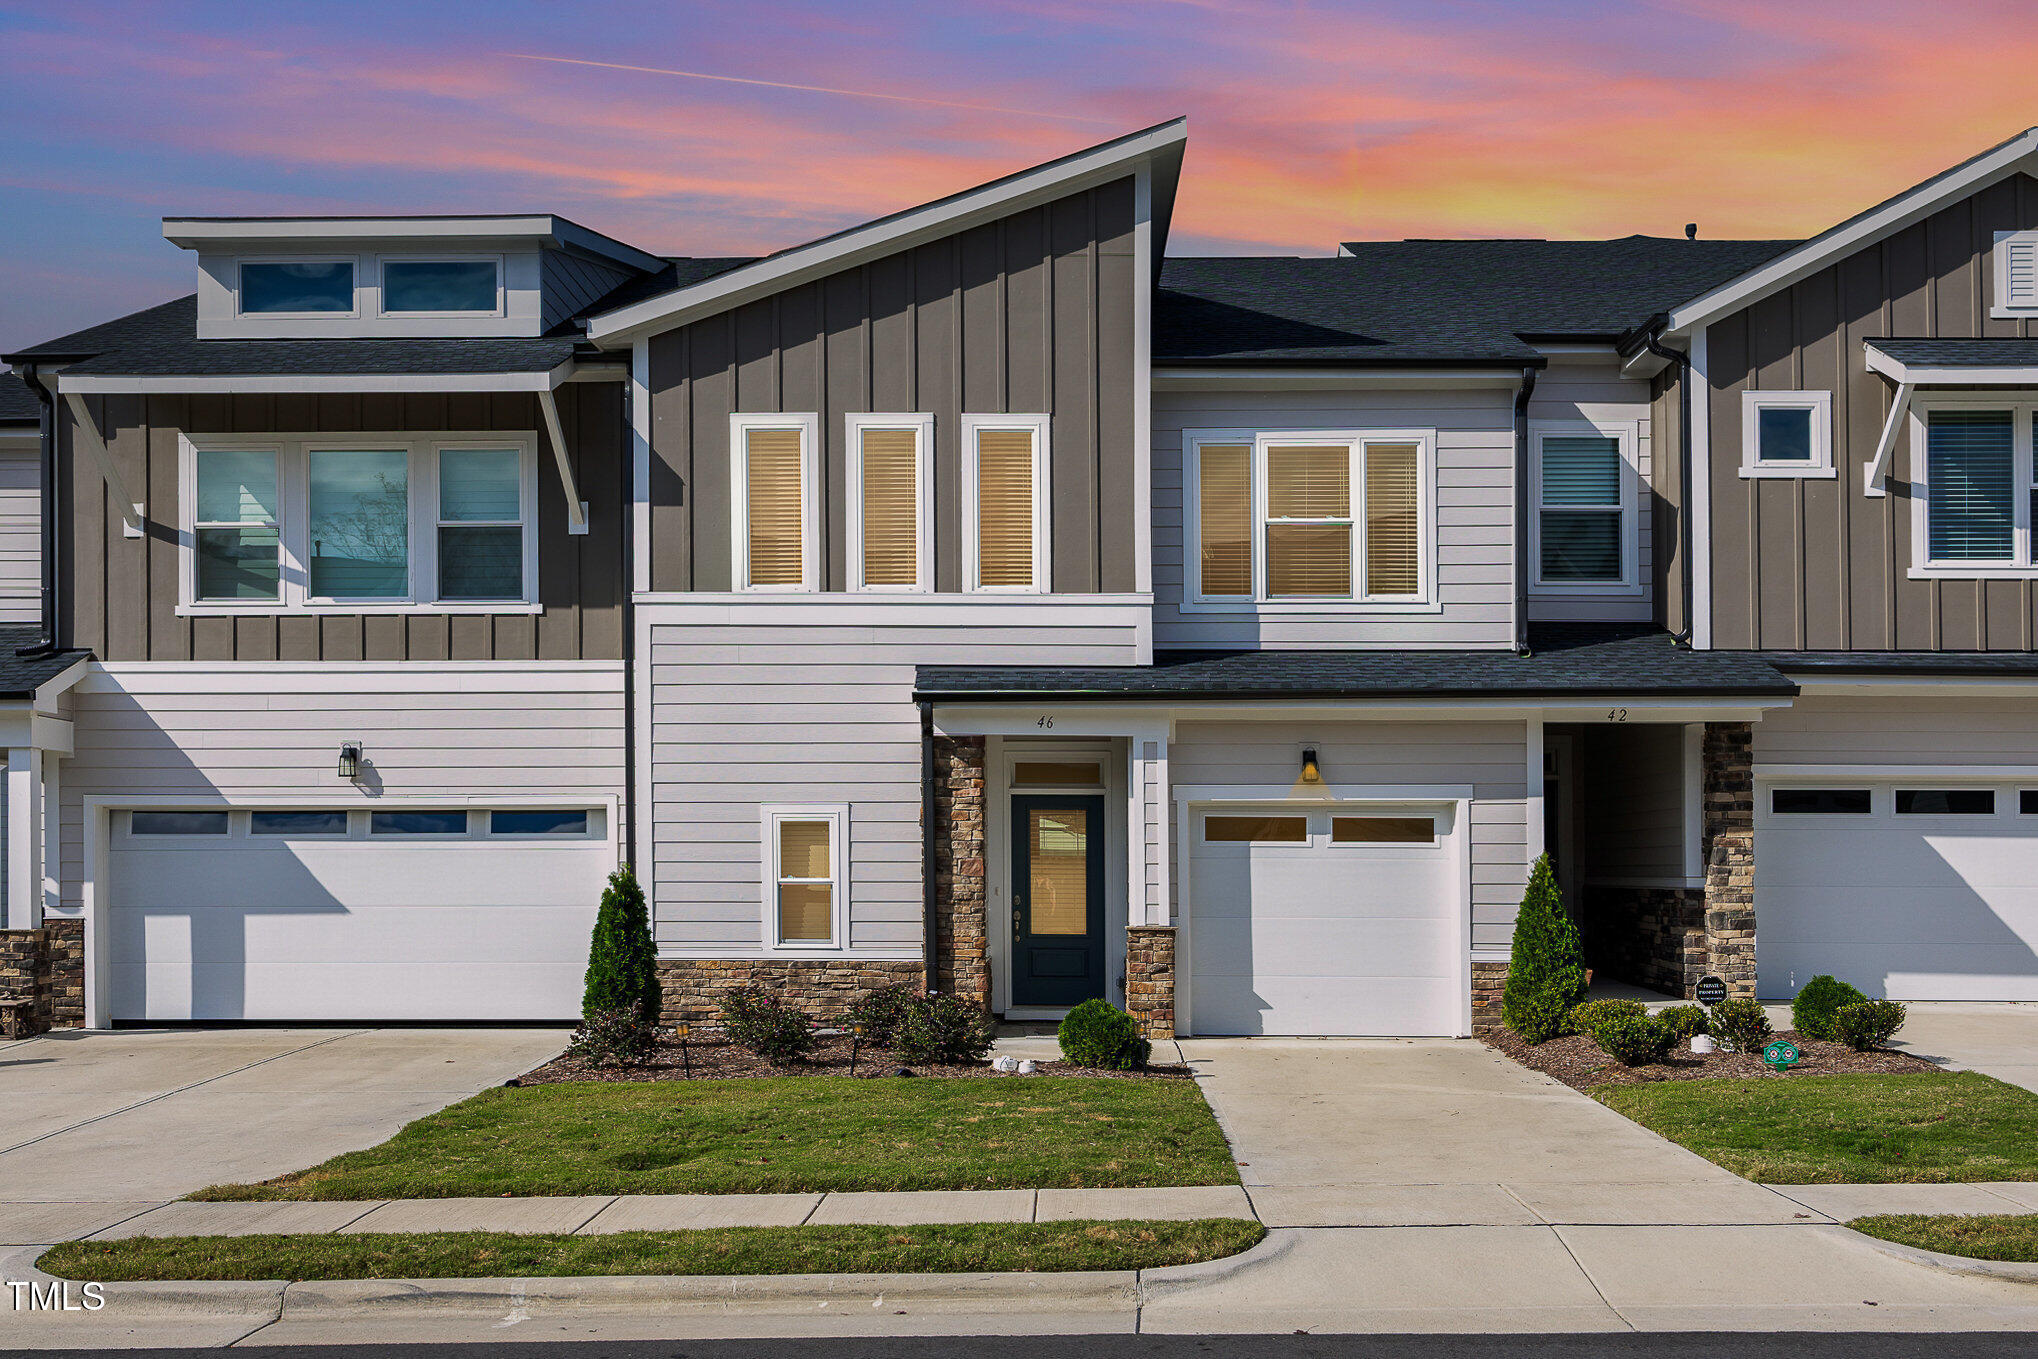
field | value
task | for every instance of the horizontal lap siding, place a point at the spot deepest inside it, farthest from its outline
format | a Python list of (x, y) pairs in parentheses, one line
[(1475, 517), (1487, 756), (1929, 733), (1815, 564), (747, 714), (1597, 392), (20, 529)]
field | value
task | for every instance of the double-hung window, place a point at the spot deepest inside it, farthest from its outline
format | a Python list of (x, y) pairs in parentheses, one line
[(1005, 499), (774, 464), (804, 890), (1584, 527), (1306, 518), (1973, 506), (237, 525), (891, 465), (481, 527)]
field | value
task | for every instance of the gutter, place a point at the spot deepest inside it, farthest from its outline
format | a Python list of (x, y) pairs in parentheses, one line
[(51, 499), (930, 861), (1651, 341), (1521, 509)]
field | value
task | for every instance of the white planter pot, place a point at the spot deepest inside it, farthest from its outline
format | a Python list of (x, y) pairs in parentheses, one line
[(1702, 1043)]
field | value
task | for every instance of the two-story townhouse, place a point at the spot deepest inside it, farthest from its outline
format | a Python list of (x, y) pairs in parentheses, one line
[(981, 596)]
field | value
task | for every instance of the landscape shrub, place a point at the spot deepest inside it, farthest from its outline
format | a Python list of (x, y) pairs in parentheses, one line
[(1546, 971), (1099, 1034), (1633, 1039), (767, 1025), (1585, 1017), (879, 1013), (622, 962), (620, 1036), (1811, 1014), (1869, 1024), (1740, 1025), (1685, 1022), (943, 1029)]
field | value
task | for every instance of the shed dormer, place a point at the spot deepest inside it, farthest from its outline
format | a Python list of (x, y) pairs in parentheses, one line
[(274, 278)]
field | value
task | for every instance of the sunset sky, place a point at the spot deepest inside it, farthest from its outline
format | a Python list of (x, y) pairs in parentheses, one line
[(736, 128)]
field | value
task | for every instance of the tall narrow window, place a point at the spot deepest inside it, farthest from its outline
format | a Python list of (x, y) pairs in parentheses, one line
[(236, 525), (888, 539), (481, 523), (360, 523), (1970, 470), (1309, 521), (803, 891), (775, 548), (1393, 519), (1581, 510), (1224, 504), (1007, 466)]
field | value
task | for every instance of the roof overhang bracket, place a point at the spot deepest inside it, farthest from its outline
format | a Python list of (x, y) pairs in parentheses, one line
[(93, 441), (1877, 470), (576, 508)]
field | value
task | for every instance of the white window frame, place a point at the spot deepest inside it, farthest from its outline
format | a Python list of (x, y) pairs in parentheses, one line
[(922, 425), (2003, 306), (808, 423), (1820, 404), (1627, 435), (383, 311), (837, 815), (188, 473), (360, 281), (294, 491), (1038, 426), (1355, 440), (2020, 566)]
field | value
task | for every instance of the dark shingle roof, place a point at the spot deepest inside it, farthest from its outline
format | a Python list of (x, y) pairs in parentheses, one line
[(17, 403), (1571, 659), (20, 676), (1400, 302), (2004, 353), (1812, 664), (680, 271)]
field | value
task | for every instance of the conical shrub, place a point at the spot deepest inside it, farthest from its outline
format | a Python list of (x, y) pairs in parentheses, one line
[(622, 962), (1546, 974)]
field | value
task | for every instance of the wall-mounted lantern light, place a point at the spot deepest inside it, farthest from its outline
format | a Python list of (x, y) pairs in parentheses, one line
[(1310, 773), (350, 759)]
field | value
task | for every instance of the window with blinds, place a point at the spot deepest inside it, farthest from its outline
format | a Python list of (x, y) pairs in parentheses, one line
[(888, 501), (1309, 521), (1393, 519), (804, 886), (1970, 476), (774, 508), (1006, 519), (1581, 510), (1224, 506)]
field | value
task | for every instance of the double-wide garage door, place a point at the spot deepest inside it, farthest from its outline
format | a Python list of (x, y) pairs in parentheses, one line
[(453, 914), (1333, 921), (1918, 888)]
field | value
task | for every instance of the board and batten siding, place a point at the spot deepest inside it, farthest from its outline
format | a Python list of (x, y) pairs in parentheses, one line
[(1572, 390), (1814, 563), (1829, 729), (1487, 756), (206, 732), (1474, 514), (771, 703), (1029, 314), (119, 594), (20, 528)]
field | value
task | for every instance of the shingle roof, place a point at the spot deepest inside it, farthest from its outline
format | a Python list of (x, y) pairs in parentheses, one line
[(1811, 664), (17, 403), (20, 676), (2003, 353), (1402, 302), (1576, 660)]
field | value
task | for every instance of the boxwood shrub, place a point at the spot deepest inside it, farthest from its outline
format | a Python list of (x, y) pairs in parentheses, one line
[(1099, 1034), (1869, 1024), (1823, 997)]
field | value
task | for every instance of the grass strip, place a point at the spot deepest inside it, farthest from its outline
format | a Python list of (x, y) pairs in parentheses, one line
[(1990, 1236)]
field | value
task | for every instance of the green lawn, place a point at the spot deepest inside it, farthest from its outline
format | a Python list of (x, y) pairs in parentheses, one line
[(1993, 1236), (1936, 1128), (781, 1134), (954, 1248)]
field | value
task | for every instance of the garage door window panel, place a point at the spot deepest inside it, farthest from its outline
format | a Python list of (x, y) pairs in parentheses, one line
[(417, 823), (1256, 830), (1821, 801), (177, 823), (1945, 802), (538, 823), (1382, 830), (330, 825)]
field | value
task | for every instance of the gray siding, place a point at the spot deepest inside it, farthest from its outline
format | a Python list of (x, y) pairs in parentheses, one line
[(119, 594), (1573, 390), (772, 704), (1827, 729), (568, 283), (20, 529), (1666, 497), (1475, 517), (1028, 314), (1815, 564)]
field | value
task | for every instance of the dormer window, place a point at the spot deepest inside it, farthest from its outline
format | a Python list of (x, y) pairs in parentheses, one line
[(441, 287), (297, 287)]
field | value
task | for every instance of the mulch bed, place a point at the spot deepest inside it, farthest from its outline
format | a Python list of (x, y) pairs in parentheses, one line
[(1580, 1063), (714, 1060)]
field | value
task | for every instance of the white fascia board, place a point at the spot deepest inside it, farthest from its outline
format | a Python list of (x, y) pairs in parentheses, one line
[(94, 384), (1851, 235), (1274, 378), (538, 228), (1917, 375), (1087, 715), (885, 237)]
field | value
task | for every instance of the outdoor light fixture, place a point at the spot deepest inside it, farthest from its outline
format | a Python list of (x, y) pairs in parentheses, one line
[(1310, 773), (350, 759)]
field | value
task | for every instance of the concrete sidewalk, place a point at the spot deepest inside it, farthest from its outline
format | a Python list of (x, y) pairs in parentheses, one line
[(1844, 1201)]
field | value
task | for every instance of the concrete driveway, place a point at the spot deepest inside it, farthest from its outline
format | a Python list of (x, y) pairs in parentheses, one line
[(100, 1126), (1996, 1040)]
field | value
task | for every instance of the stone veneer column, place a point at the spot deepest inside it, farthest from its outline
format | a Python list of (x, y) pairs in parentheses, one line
[(1150, 979), (1728, 840), (963, 927)]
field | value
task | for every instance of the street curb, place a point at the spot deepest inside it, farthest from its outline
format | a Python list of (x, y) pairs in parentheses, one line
[(1173, 1279), (2014, 1271)]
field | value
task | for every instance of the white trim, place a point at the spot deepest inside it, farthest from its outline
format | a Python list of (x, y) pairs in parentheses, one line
[(1142, 382), (536, 228), (921, 423), (640, 465), (88, 384), (25, 817), (1693, 789), (1820, 406), (1944, 773), (352, 677), (382, 308), (1851, 235), (1698, 374), (1626, 435), (2020, 564), (836, 815), (808, 425), (2005, 305), (1190, 377), (132, 512), (1877, 471), (576, 508), (1039, 427), (1535, 835), (886, 236)]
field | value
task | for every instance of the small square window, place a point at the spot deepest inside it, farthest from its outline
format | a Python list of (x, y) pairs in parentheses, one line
[(297, 823), (1787, 434), (418, 823), (1819, 801), (1783, 434), (177, 823), (1945, 801), (537, 823)]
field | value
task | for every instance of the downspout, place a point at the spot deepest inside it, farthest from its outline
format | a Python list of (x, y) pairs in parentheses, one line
[(629, 660), (1682, 637), (930, 861), (51, 499), (1521, 509)]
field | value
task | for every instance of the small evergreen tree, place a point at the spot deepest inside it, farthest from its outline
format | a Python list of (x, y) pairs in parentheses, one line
[(622, 962), (1546, 973)]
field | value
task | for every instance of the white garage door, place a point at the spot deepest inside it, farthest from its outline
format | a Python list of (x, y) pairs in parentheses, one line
[(1343, 921), (1919, 889), (353, 915)]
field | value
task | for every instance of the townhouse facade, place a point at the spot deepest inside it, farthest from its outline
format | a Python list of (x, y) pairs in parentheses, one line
[(985, 598)]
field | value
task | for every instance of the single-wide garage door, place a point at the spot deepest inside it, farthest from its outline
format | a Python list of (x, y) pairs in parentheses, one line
[(1922, 888), (453, 914), (1342, 921)]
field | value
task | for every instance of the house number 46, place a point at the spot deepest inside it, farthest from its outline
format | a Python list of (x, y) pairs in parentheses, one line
[(1044, 723)]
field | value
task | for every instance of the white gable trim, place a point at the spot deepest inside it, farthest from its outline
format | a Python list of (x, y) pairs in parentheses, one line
[(1851, 235), (887, 236)]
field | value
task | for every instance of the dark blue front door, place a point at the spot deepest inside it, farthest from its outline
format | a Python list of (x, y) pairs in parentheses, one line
[(1057, 899)]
